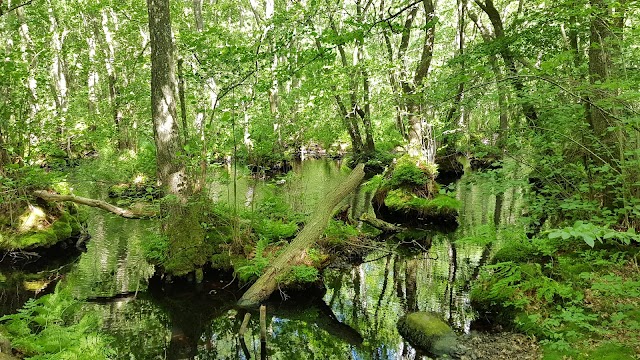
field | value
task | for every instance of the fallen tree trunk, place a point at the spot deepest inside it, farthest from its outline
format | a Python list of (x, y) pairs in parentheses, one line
[(294, 253), (126, 213)]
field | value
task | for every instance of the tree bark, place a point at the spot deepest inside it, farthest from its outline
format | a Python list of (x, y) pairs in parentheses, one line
[(171, 173), (183, 104), (295, 252), (125, 213)]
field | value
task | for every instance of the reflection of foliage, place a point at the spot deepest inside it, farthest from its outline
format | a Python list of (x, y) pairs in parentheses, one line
[(50, 327), (127, 320)]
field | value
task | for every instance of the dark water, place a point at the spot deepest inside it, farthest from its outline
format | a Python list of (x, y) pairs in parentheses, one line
[(354, 319)]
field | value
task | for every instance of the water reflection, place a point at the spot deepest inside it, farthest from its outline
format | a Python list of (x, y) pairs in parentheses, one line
[(356, 317)]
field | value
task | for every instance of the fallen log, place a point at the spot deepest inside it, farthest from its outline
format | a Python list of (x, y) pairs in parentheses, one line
[(380, 224), (295, 252), (125, 213)]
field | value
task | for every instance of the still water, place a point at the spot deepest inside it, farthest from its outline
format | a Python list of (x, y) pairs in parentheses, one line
[(355, 318)]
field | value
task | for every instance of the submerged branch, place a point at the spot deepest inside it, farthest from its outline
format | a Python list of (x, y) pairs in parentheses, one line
[(125, 213)]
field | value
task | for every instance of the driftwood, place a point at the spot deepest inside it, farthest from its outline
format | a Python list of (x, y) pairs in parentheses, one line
[(126, 213), (380, 224), (294, 253)]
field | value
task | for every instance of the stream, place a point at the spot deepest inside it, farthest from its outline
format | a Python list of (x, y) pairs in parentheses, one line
[(354, 319)]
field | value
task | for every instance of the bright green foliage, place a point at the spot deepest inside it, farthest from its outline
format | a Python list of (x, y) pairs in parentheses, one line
[(51, 328), (303, 274), (545, 294), (275, 230), (156, 248), (339, 233), (410, 173), (590, 232), (251, 269)]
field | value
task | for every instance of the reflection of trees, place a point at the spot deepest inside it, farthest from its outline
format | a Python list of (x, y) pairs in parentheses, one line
[(113, 262), (138, 327)]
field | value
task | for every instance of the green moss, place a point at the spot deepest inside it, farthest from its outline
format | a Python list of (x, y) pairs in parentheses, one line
[(302, 274), (221, 261), (404, 201), (42, 238), (427, 331), (410, 172), (62, 227), (187, 249), (516, 251)]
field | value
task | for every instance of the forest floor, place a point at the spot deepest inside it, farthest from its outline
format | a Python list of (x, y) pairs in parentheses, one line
[(499, 346)]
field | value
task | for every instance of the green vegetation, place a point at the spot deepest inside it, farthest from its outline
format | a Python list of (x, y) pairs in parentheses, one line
[(575, 298), (150, 103), (52, 327), (408, 191)]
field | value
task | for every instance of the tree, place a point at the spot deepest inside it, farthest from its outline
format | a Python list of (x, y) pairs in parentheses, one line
[(171, 172)]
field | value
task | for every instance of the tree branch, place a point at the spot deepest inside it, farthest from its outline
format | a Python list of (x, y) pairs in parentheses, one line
[(14, 8), (125, 213)]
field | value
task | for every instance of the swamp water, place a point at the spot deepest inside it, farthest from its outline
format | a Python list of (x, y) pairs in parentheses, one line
[(355, 319)]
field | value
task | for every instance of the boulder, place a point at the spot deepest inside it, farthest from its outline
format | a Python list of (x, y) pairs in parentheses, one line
[(429, 332)]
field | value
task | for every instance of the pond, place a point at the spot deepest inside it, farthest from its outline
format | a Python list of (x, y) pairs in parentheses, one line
[(355, 318)]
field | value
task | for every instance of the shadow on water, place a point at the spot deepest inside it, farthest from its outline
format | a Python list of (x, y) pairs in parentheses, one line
[(354, 317)]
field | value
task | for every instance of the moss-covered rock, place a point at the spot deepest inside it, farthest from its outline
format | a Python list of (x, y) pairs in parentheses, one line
[(408, 194), (429, 332)]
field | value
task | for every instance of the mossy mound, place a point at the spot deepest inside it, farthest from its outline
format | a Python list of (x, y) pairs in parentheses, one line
[(518, 252), (427, 331), (402, 200), (65, 227), (408, 194), (188, 250)]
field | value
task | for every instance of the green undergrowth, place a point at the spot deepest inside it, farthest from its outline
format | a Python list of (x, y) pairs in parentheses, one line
[(246, 242), (580, 300), (53, 327)]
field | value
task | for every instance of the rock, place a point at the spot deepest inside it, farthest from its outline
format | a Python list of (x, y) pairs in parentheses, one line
[(429, 332)]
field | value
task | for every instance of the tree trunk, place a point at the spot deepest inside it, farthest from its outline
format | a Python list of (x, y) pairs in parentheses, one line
[(528, 109), (420, 136), (294, 253), (183, 104), (171, 172), (603, 124), (197, 14)]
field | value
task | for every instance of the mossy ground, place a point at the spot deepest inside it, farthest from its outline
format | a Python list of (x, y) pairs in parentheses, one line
[(42, 227)]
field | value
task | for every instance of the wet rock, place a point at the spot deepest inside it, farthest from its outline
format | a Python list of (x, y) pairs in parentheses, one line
[(429, 332)]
